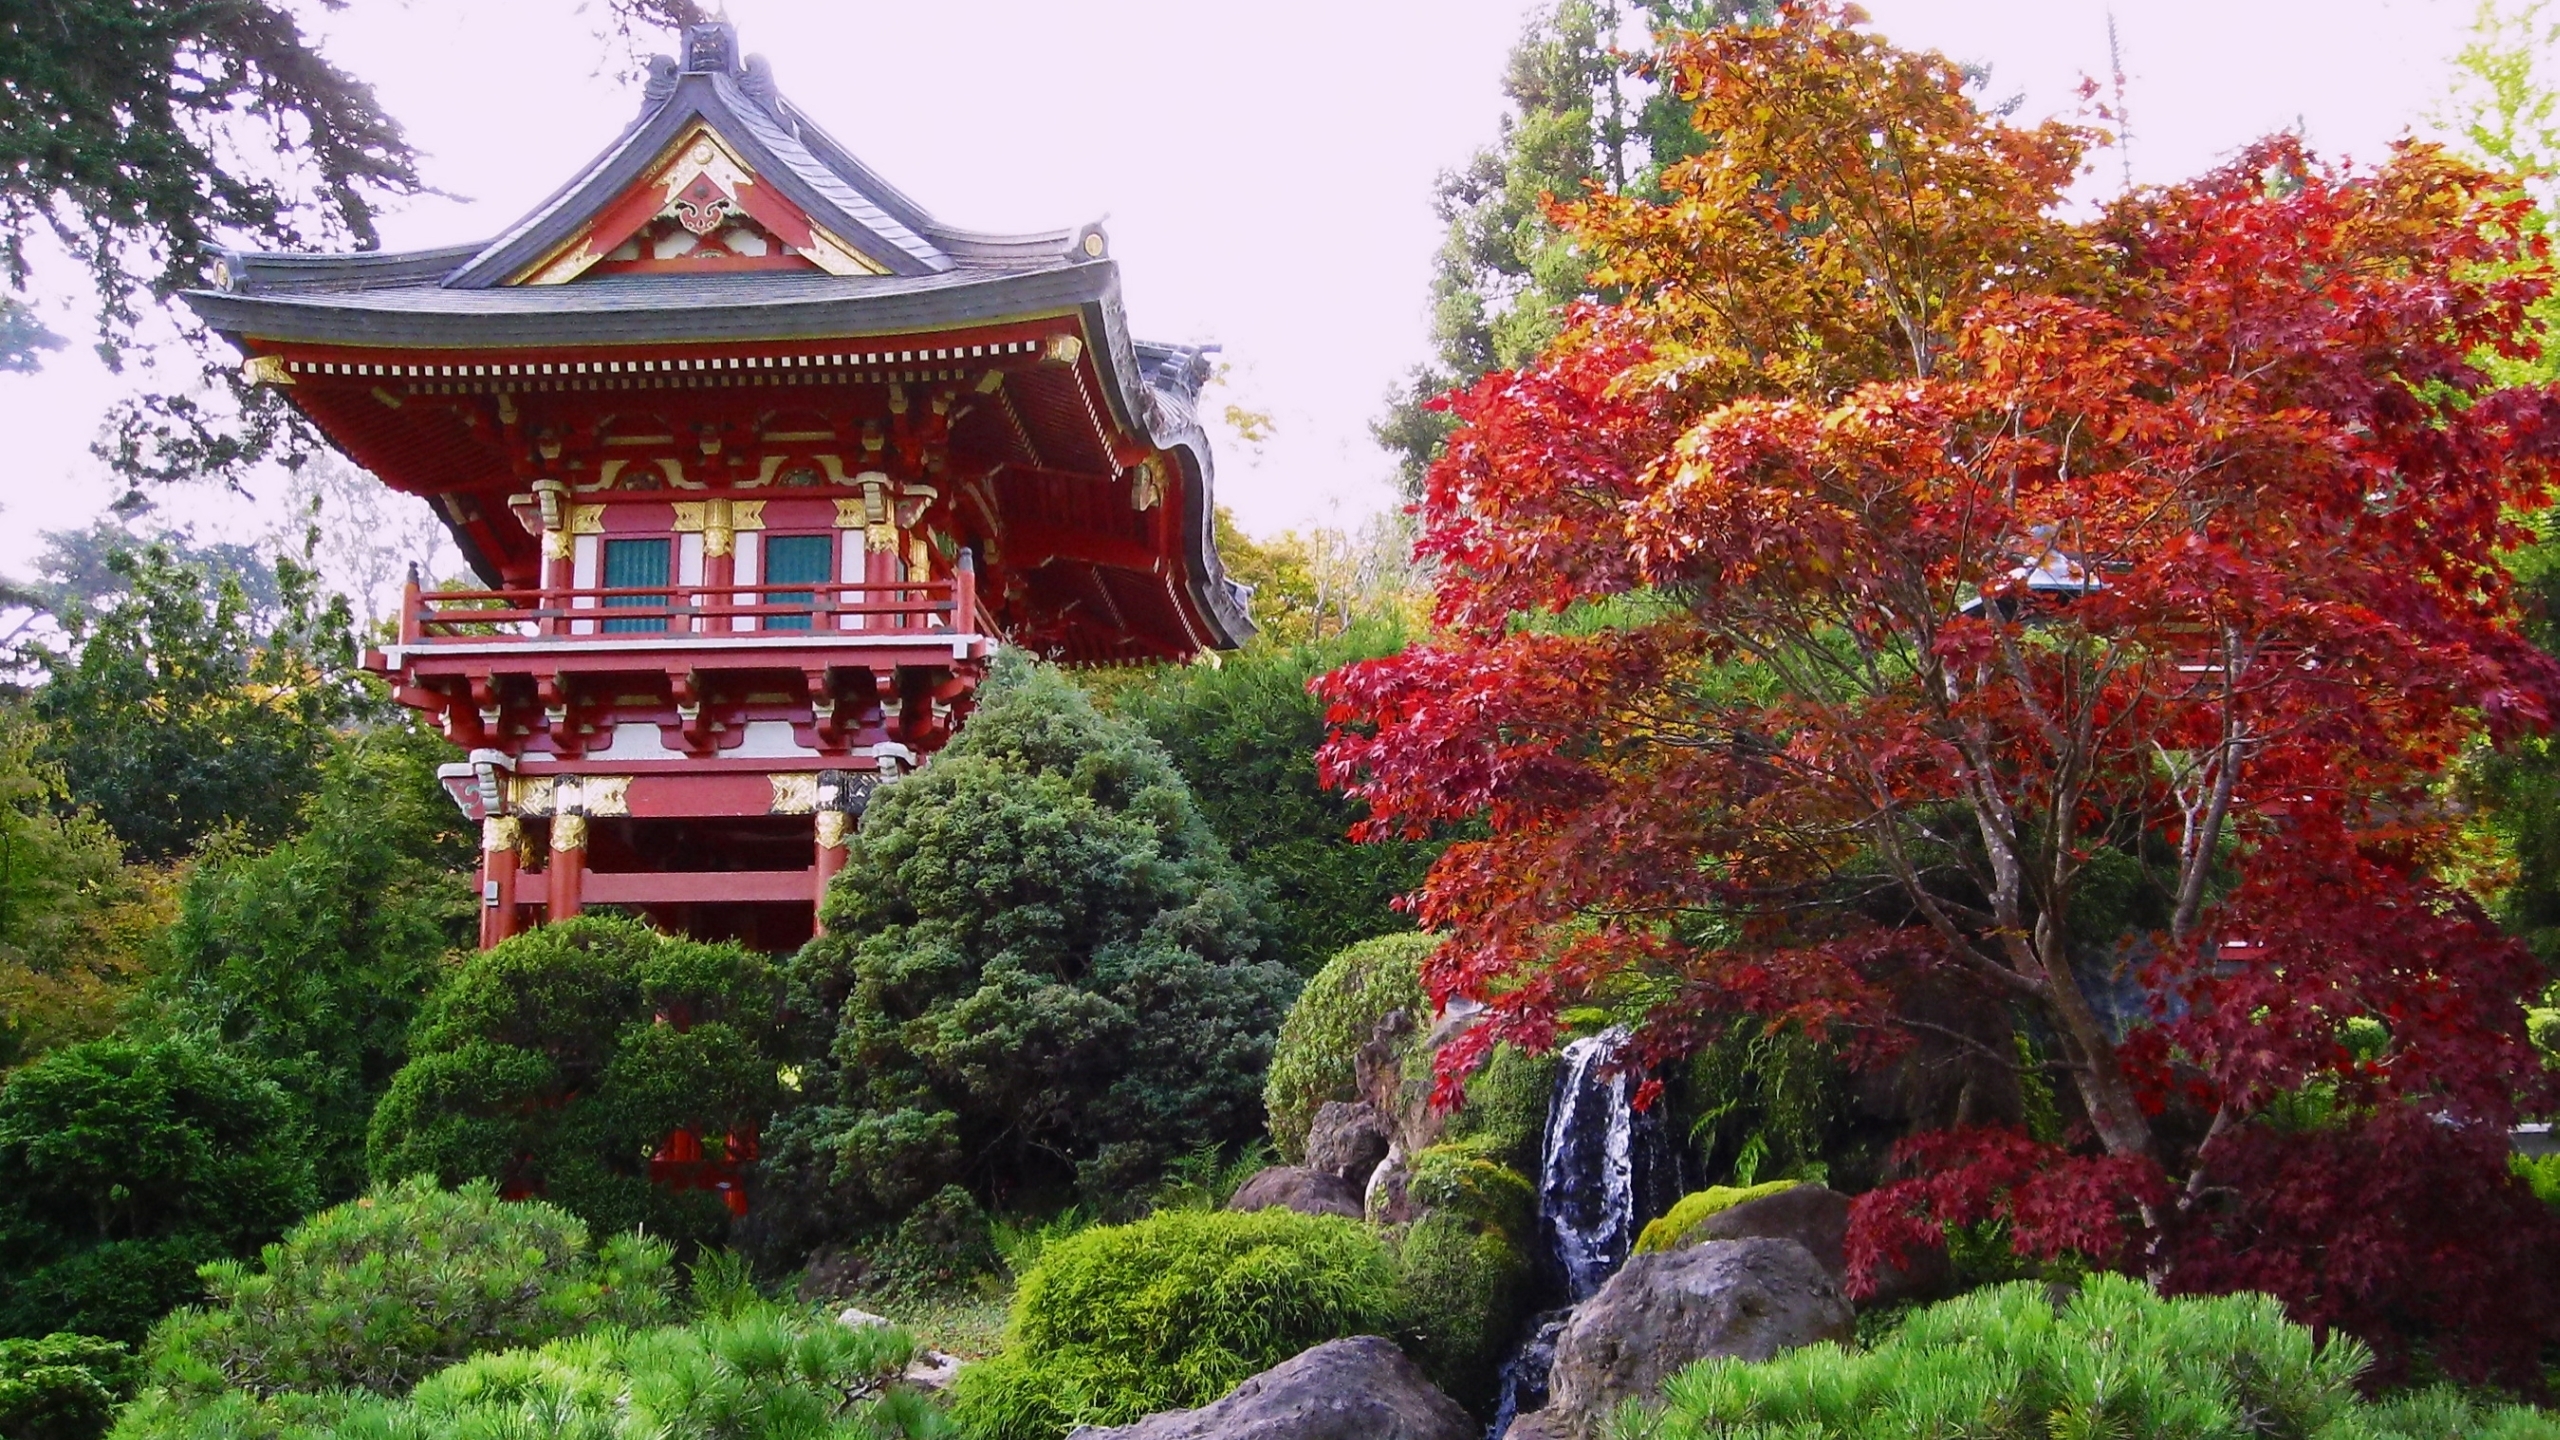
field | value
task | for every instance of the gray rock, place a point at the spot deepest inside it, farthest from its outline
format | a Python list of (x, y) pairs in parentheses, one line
[(1295, 1187), (1348, 1140), (1817, 1218), (1752, 1299), (1358, 1389)]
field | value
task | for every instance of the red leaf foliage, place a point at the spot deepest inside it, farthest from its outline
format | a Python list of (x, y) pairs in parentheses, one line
[(1892, 560)]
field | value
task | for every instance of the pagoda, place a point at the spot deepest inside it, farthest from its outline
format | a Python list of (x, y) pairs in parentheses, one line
[(757, 463)]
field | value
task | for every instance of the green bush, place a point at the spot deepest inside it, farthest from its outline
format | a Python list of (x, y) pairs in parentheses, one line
[(381, 1292), (1506, 1110), (1244, 733), (1461, 1177), (1692, 1210), (1040, 969), (1171, 1312), (943, 1244), (762, 1373), (129, 1164), (557, 1063), (62, 1387), (2008, 1364), (2542, 1172), (315, 956), (1334, 1016), (1467, 1288)]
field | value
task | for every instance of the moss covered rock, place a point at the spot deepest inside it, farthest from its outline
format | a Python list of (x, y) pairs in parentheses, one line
[(1467, 1287), (1464, 1178), (1667, 1232), (1333, 1017), (1506, 1109)]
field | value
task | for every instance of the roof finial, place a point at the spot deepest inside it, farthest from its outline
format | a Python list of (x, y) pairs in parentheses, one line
[(711, 48)]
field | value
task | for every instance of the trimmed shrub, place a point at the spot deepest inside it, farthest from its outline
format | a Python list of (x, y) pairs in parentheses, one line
[(129, 1164), (559, 1062), (1172, 1312), (62, 1387), (1693, 1209), (381, 1292), (762, 1373), (2114, 1359), (1467, 1287), (1335, 1015), (1040, 970)]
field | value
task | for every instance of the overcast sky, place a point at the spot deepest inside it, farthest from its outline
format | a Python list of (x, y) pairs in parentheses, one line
[(1265, 171)]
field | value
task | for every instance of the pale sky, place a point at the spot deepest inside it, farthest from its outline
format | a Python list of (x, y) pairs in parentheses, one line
[(1265, 172)]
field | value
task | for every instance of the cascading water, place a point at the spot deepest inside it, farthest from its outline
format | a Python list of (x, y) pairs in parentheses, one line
[(1606, 1170)]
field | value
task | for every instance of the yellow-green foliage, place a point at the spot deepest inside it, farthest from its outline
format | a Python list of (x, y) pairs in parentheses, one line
[(2542, 1172), (1694, 1209), (1463, 1179), (1466, 1289), (1506, 1109), (1172, 1312), (2115, 1360), (1333, 1017)]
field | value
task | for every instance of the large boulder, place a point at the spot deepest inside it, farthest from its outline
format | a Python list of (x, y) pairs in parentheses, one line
[(1358, 1389), (1817, 1217), (1752, 1299), (1348, 1139), (1296, 1187)]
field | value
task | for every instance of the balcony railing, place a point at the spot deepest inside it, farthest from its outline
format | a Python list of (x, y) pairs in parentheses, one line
[(817, 611)]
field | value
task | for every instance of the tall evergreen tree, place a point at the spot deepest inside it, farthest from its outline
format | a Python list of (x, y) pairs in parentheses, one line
[(1585, 111)]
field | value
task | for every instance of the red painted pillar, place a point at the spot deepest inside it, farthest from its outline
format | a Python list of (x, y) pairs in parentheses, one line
[(498, 835), (568, 865)]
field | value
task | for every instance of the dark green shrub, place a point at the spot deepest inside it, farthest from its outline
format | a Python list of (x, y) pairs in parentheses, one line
[(315, 956), (1244, 734), (61, 1387), (559, 1062), (761, 1373), (2114, 1359), (1171, 1312), (381, 1292), (1334, 1016), (943, 1244), (1467, 1287), (1040, 969), (129, 1164)]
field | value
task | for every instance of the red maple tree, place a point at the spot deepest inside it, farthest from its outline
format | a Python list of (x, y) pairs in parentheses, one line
[(1898, 576)]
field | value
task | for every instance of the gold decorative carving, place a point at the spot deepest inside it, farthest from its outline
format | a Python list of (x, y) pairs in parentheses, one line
[(1146, 484), (746, 514), (565, 265), (569, 832), (266, 370), (586, 519), (794, 794), (881, 538), (849, 515), (606, 794), (500, 833), (833, 827), (919, 558), (557, 544), (692, 516), (534, 795), (1063, 349)]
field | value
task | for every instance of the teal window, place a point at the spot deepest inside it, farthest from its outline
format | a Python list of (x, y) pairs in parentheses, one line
[(636, 565), (796, 560)]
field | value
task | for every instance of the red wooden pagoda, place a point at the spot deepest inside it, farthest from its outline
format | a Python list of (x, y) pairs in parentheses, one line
[(758, 463)]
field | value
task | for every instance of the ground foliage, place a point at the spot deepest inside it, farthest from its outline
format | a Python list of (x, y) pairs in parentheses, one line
[(753, 1372), (558, 1063), (131, 1163), (1806, 727), (379, 1293), (1040, 968), (1244, 734), (2012, 1363), (62, 1386)]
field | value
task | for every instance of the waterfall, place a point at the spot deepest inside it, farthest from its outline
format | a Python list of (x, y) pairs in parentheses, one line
[(1604, 1172), (1606, 1169)]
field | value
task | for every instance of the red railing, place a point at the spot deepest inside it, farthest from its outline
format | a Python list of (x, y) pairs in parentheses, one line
[(796, 608)]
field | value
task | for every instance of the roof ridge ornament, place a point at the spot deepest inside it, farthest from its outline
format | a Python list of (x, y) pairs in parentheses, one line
[(711, 48)]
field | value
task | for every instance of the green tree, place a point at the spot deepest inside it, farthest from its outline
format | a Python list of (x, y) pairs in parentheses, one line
[(175, 714), (131, 1163), (64, 969), (558, 1063), (315, 956), (62, 1386), (1244, 735), (1585, 112), (1040, 965)]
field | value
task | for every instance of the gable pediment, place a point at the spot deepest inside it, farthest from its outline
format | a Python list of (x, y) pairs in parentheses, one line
[(699, 207)]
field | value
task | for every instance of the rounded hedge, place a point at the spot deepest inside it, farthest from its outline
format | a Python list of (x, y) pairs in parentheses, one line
[(1467, 1287), (1334, 1016), (1173, 1312), (383, 1291)]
